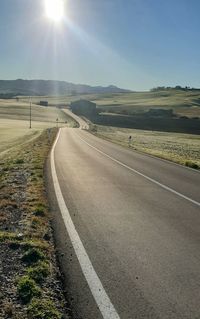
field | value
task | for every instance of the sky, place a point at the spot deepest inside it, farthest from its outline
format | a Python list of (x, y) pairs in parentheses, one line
[(134, 44)]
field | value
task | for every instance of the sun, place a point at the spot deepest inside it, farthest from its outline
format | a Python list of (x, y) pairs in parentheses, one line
[(54, 9)]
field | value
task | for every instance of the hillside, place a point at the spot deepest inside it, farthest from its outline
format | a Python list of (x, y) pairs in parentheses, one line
[(14, 122), (183, 103), (48, 87), (168, 111)]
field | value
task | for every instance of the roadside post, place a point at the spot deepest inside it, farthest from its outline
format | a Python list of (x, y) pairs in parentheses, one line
[(129, 141)]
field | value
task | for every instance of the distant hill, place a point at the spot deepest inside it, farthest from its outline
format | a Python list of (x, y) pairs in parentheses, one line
[(49, 87)]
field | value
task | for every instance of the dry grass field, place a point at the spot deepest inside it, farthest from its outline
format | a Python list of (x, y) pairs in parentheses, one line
[(180, 148), (16, 132), (184, 103), (14, 123), (10, 109)]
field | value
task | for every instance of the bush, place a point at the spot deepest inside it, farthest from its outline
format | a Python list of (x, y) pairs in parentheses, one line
[(39, 211), (191, 164), (19, 161), (32, 256), (14, 245), (43, 309), (27, 289), (39, 272)]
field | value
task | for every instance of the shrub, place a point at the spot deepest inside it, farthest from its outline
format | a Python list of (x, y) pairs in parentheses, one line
[(32, 256), (39, 272), (14, 245), (191, 164), (19, 161), (27, 289), (43, 309), (39, 211)]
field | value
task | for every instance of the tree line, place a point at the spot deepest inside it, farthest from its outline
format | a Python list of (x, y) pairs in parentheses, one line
[(177, 87)]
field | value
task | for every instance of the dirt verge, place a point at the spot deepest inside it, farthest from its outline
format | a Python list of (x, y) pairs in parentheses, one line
[(31, 285)]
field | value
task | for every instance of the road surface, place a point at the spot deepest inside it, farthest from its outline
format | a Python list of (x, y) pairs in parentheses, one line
[(138, 219), (82, 123)]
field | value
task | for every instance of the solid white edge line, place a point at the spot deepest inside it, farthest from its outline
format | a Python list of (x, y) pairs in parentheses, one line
[(144, 176), (162, 159), (103, 301)]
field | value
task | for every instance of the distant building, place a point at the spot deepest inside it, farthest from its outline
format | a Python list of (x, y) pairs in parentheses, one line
[(44, 103), (84, 108)]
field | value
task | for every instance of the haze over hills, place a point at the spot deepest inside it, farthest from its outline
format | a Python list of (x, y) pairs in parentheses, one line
[(50, 87)]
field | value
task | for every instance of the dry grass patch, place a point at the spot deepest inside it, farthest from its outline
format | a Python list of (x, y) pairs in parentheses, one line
[(25, 234), (178, 147)]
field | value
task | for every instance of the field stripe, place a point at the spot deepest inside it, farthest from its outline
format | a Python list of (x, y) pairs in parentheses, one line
[(103, 301), (140, 174)]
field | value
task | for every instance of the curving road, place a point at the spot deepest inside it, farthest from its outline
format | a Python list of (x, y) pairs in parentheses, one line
[(138, 219), (82, 123)]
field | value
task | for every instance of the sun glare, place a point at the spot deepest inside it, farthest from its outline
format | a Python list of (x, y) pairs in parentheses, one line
[(54, 9)]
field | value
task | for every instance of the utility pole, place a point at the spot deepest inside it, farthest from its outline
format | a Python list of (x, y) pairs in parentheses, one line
[(30, 111)]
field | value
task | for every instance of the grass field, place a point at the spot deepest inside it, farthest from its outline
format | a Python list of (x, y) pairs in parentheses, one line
[(10, 109), (17, 132), (14, 122), (184, 103), (132, 109), (180, 148)]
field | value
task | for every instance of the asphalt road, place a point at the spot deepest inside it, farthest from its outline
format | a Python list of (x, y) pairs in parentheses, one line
[(138, 218), (82, 123)]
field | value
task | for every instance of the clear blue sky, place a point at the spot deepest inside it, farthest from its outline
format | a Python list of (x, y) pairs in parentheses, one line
[(136, 44)]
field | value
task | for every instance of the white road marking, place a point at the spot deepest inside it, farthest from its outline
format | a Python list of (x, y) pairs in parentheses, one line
[(103, 301), (138, 173)]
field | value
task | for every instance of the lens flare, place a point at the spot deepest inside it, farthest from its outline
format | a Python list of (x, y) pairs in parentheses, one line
[(54, 9)]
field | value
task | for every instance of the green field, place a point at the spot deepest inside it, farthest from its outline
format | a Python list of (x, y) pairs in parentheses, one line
[(14, 122), (180, 148)]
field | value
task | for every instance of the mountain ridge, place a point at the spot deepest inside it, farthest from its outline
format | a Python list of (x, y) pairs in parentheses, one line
[(52, 87)]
